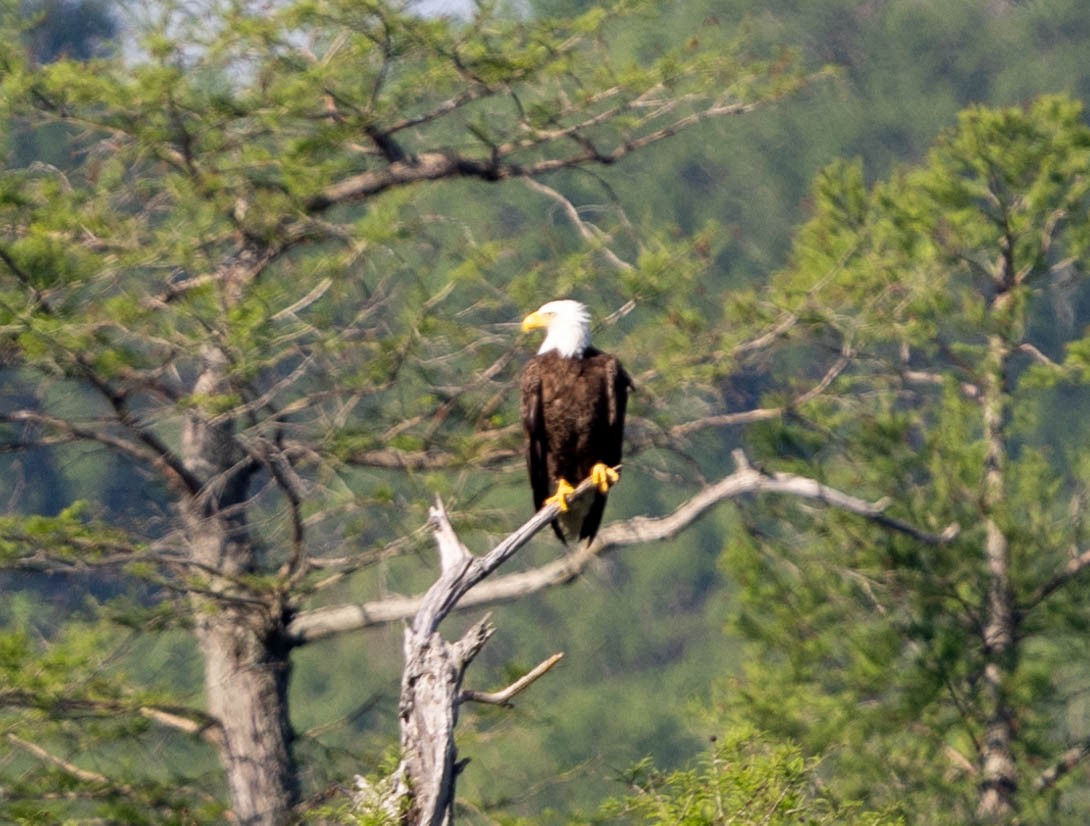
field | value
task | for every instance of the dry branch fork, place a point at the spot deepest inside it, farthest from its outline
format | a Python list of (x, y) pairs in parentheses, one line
[(431, 683)]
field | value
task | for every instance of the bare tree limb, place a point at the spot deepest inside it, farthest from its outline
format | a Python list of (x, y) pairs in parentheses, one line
[(1067, 761), (321, 623), (462, 570), (187, 720), (1075, 566), (452, 553), (762, 414), (970, 390), (786, 321), (589, 233), (392, 458), (503, 696), (431, 682), (65, 766), (71, 431), (190, 722), (1036, 354)]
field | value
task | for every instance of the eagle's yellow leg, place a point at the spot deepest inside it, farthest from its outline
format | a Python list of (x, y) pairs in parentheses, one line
[(604, 476), (560, 498)]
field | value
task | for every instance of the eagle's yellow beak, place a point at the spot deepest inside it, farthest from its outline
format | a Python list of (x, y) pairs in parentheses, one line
[(535, 321)]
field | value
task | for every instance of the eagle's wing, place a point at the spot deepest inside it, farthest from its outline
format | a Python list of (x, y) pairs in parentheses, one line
[(610, 428), (617, 386), (533, 422)]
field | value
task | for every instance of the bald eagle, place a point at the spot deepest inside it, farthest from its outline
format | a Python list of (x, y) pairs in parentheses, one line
[(573, 406)]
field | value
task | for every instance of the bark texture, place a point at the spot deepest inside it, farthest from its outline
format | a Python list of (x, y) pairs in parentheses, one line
[(241, 634), (431, 684), (246, 681), (431, 693), (998, 772)]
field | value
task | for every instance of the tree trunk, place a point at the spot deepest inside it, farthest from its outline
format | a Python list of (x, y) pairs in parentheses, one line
[(241, 631), (431, 692), (998, 782), (246, 683), (431, 683)]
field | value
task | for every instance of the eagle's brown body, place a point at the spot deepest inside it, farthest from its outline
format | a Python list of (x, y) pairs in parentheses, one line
[(573, 412)]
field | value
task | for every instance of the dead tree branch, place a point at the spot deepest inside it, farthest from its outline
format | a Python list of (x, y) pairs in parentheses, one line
[(503, 696), (321, 623), (431, 682)]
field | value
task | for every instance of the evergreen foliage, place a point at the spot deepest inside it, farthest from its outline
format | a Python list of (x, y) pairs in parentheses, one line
[(742, 780), (937, 297)]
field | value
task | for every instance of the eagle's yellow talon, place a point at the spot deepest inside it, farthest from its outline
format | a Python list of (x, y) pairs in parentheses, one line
[(560, 498), (604, 477)]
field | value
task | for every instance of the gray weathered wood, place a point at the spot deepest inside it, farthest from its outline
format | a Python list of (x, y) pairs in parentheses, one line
[(431, 683)]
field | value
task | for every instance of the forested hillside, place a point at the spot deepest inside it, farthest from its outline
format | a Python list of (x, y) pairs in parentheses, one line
[(261, 273)]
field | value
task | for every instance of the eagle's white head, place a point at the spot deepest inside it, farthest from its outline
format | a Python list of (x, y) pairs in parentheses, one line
[(566, 324)]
